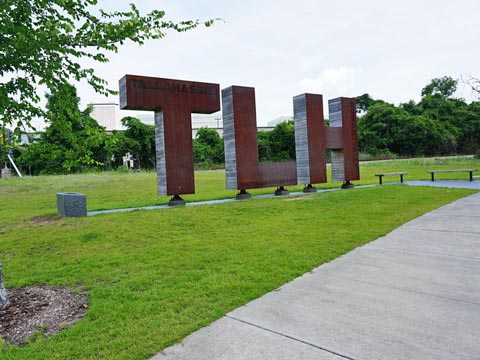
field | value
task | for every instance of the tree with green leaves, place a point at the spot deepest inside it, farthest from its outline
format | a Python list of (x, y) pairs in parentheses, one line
[(386, 127), (282, 141), (73, 142), (445, 86), (439, 124), (264, 148), (364, 102), (277, 144), (208, 147), (43, 43), (462, 119)]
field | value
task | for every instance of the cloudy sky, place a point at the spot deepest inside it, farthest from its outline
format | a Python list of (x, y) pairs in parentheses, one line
[(389, 49)]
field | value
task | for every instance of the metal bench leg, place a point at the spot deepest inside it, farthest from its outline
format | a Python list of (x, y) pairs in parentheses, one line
[(380, 180), (433, 176), (471, 175), (401, 178)]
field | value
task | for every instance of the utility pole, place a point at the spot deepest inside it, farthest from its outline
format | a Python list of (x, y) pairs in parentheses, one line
[(4, 143), (5, 171)]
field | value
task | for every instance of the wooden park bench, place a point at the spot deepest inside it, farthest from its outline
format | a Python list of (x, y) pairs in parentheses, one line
[(380, 176), (432, 172)]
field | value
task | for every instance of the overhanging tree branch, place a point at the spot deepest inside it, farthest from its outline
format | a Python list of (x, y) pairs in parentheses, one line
[(42, 42)]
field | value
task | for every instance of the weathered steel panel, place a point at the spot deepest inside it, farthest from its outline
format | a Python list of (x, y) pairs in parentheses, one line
[(350, 139), (334, 137), (310, 139)]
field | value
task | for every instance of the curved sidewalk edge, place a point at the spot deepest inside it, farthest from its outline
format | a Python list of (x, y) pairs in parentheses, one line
[(413, 294)]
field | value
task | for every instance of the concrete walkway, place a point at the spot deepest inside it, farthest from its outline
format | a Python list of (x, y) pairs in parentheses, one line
[(413, 294), (457, 184)]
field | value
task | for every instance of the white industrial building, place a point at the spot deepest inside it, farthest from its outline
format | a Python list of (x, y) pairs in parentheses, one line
[(107, 115), (275, 122)]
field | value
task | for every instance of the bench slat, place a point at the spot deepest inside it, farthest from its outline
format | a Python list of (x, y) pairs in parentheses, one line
[(390, 174), (459, 170), (380, 176), (433, 172)]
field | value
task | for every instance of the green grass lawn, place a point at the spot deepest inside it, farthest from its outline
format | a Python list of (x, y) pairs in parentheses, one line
[(114, 190), (153, 277)]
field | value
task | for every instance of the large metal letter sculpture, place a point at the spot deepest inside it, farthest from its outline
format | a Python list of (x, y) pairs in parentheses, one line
[(343, 115), (173, 102), (312, 139), (242, 166)]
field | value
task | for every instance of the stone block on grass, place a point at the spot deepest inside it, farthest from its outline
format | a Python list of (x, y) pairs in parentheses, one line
[(71, 204)]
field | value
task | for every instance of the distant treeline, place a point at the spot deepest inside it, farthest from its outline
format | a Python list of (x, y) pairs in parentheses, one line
[(440, 124)]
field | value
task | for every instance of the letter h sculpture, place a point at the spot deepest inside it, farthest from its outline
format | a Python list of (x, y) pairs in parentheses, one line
[(313, 138)]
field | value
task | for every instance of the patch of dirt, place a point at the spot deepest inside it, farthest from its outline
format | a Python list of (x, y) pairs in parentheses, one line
[(44, 220), (37, 310), (301, 198)]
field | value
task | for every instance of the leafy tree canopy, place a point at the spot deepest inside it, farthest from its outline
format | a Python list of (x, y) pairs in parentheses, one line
[(364, 102), (445, 86), (208, 136), (387, 127), (208, 147), (42, 43), (438, 124), (73, 141), (277, 144)]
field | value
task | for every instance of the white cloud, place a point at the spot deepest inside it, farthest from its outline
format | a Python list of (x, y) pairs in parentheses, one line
[(307, 63), (331, 80), (338, 48)]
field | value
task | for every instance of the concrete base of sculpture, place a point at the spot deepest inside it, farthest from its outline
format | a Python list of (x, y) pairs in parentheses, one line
[(6, 173), (71, 205), (309, 189), (347, 185), (243, 195), (281, 191), (177, 200)]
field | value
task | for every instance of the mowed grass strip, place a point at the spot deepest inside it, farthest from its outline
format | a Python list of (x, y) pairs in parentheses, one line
[(153, 277), (20, 199)]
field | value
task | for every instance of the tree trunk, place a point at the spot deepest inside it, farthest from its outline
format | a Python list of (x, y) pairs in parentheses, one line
[(3, 292)]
